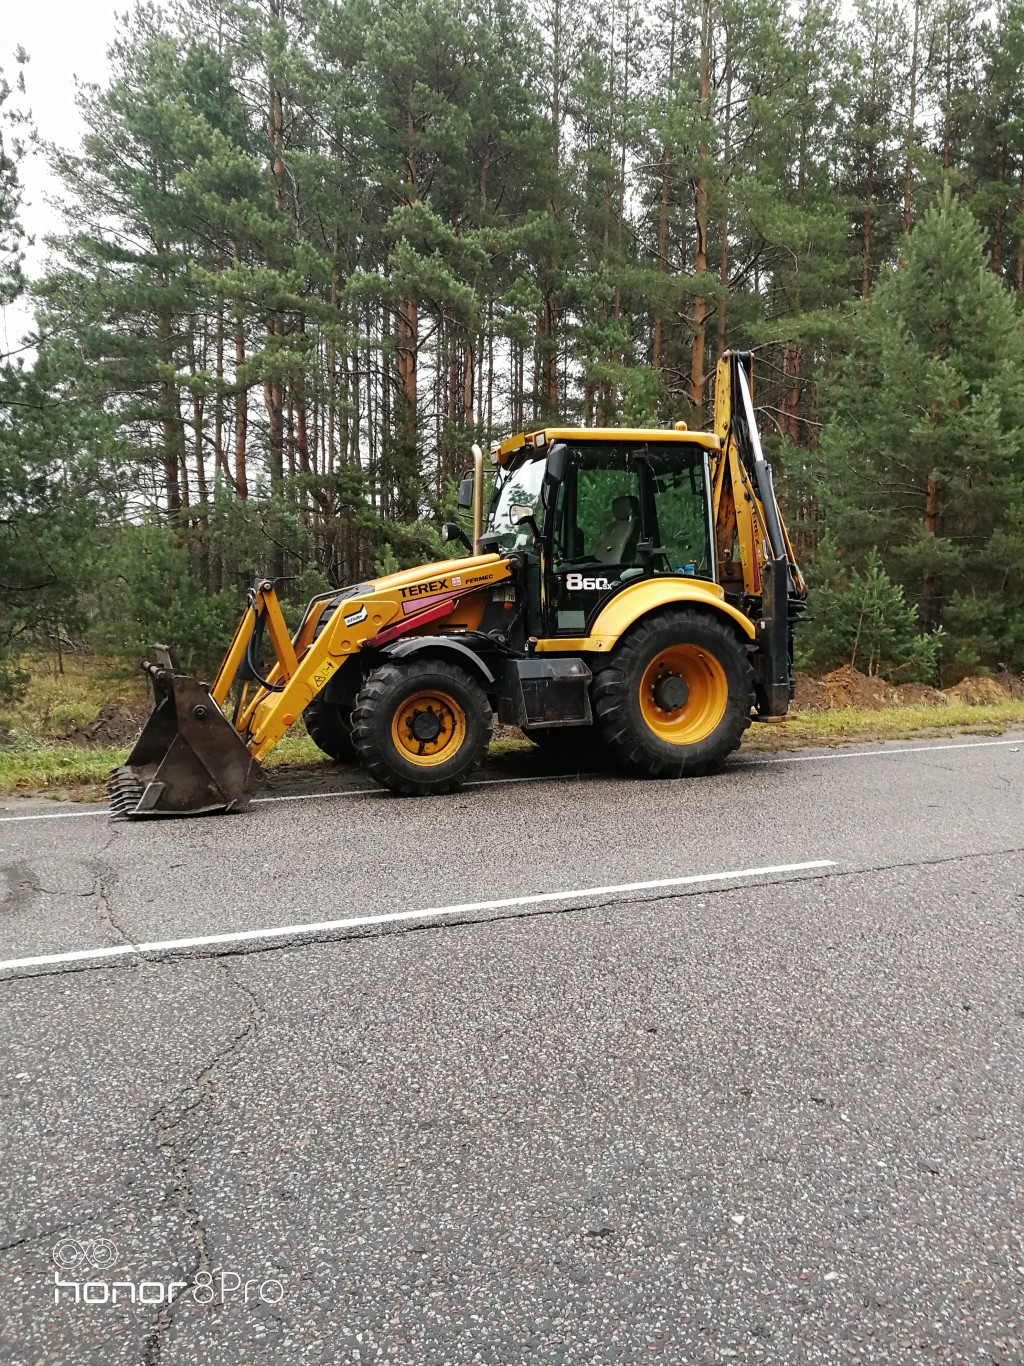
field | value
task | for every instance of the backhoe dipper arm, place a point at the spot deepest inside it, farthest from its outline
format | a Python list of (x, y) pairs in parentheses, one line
[(746, 509), (747, 515)]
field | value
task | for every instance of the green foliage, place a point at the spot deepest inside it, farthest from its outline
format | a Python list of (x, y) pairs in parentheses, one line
[(14, 126), (861, 618), (922, 455), (152, 595), (48, 493)]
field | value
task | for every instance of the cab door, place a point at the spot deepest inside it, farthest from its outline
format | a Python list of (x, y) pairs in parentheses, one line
[(597, 528), (624, 511)]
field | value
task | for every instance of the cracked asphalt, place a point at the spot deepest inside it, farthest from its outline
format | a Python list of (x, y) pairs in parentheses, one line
[(772, 1119)]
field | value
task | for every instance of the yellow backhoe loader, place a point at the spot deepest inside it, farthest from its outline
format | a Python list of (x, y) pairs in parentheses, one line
[(630, 589)]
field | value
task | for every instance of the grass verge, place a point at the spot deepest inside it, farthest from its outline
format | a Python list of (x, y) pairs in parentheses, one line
[(849, 726), (32, 768)]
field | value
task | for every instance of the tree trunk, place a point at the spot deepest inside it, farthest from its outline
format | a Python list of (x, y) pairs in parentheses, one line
[(198, 405), (547, 359), (908, 170), (929, 613), (999, 227), (792, 365), (220, 459), (700, 207), (170, 419), (661, 266), (869, 191), (273, 391), (723, 253), (406, 399), (241, 405), (467, 384)]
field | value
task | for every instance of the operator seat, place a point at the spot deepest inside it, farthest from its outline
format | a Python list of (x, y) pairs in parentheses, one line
[(617, 540)]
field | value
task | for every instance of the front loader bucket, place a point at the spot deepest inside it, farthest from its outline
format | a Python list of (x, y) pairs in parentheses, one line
[(189, 758)]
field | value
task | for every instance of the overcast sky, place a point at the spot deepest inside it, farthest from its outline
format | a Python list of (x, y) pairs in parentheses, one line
[(64, 39)]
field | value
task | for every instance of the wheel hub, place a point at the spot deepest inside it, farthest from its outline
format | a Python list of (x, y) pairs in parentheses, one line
[(684, 694), (425, 726), (670, 692), (428, 727)]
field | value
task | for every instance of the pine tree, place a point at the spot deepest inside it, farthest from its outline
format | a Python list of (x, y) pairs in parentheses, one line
[(47, 489), (923, 450)]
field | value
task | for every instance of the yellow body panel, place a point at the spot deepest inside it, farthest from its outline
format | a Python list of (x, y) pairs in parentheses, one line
[(635, 602), (470, 570), (543, 438)]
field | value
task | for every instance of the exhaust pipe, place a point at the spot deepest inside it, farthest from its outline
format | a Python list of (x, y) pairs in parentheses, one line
[(189, 759)]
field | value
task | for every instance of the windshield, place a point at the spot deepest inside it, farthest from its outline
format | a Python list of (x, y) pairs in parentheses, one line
[(523, 484)]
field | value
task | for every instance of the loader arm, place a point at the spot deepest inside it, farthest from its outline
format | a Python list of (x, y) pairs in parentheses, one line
[(198, 753)]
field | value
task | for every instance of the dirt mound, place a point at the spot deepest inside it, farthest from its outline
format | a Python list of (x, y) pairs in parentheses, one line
[(114, 726), (982, 690), (810, 695), (920, 695), (848, 687), (1014, 685)]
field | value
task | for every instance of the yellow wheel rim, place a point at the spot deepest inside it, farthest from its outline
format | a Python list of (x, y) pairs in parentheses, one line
[(683, 694), (428, 728)]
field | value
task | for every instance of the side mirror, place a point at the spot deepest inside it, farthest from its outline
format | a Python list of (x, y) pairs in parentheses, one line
[(465, 498), (558, 463), (521, 514), (451, 531)]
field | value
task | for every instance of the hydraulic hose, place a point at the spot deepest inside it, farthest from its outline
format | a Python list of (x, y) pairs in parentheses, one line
[(252, 655)]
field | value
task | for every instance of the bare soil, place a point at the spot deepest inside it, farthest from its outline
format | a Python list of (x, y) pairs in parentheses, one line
[(811, 694), (114, 726), (979, 690), (848, 687), (921, 695)]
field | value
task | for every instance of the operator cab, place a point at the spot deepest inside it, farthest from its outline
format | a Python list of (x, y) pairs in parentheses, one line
[(630, 506)]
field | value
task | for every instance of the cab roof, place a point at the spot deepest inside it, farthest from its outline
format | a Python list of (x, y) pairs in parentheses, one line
[(502, 451)]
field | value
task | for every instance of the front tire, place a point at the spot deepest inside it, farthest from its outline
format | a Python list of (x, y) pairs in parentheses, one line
[(421, 727), (676, 695)]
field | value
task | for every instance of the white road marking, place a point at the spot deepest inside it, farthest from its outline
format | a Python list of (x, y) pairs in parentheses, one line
[(58, 815), (550, 777), (390, 917), (874, 753)]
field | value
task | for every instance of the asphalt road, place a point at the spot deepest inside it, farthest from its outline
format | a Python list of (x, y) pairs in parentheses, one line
[(507, 1105)]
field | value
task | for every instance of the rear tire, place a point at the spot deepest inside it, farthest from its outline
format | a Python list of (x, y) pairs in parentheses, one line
[(421, 727), (329, 726), (675, 697)]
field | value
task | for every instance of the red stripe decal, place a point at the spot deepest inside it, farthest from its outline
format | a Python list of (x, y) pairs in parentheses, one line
[(401, 628)]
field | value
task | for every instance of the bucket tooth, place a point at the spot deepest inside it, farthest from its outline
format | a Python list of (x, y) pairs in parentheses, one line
[(188, 760)]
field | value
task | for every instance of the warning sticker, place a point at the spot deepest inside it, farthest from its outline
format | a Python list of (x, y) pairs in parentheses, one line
[(323, 673)]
